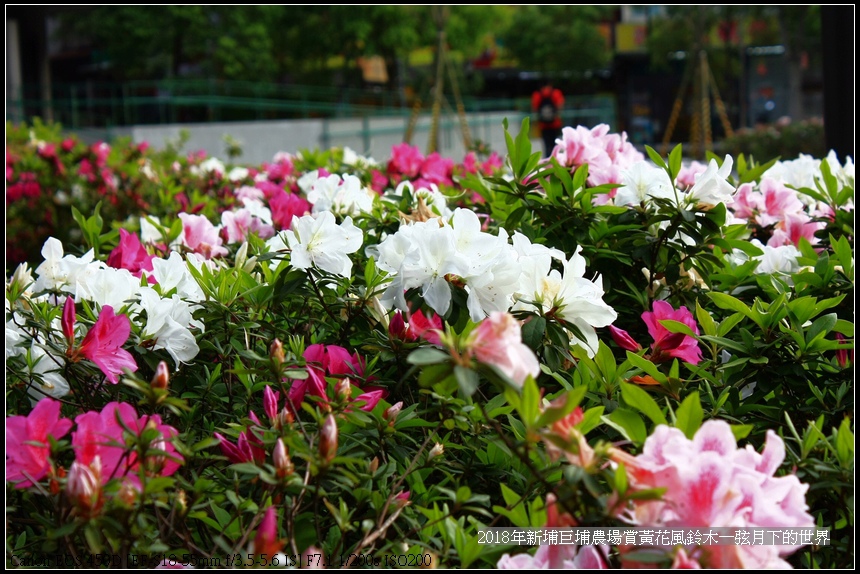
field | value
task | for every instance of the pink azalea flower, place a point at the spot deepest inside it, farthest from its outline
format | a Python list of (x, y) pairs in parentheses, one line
[(687, 174), (199, 235), (498, 341), (68, 321), (27, 449), (285, 206), (331, 360), (101, 434), (242, 222), (492, 164), (406, 161), (794, 227), (131, 254), (437, 169), (709, 482), (103, 344), (378, 181), (675, 345), (267, 542), (248, 448), (470, 163), (419, 327)]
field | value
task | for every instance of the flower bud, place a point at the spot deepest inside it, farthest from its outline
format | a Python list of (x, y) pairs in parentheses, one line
[(623, 339), (343, 389), (69, 321), (402, 499), (437, 450), (374, 465), (276, 353), (283, 464), (161, 380), (83, 486), (328, 439), (397, 326), (154, 463), (285, 419), (390, 414), (270, 404)]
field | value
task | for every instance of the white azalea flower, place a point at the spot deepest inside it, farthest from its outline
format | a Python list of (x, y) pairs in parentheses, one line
[(711, 186), (107, 286), (321, 242), (167, 322), (48, 380), (642, 181), (58, 272), (173, 273), (574, 298), (346, 197)]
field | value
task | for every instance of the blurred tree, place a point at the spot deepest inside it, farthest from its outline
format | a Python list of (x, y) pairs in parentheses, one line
[(558, 38)]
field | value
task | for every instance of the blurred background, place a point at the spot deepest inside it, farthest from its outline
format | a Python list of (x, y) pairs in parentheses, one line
[(372, 76)]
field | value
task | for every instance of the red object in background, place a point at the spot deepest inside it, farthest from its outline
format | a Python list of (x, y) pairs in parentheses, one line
[(558, 100)]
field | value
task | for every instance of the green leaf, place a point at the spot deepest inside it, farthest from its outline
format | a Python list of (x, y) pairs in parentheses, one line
[(845, 443), (688, 417), (554, 413), (820, 327), (641, 400), (741, 431), (621, 479), (655, 157), (427, 356), (533, 331), (709, 327), (628, 423), (467, 380), (677, 327)]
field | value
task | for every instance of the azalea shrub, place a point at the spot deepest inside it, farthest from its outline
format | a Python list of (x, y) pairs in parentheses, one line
[(328, 360)]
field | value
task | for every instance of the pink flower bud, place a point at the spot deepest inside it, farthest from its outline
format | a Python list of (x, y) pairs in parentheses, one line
[(401, 499), (623, 339), (83, 486), (69, 321), (390, 414), (328, 439), (161, 380), (397, 326), (270, 403), (267, 543)]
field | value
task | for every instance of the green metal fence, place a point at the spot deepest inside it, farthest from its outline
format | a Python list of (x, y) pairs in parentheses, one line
[(98, 104)]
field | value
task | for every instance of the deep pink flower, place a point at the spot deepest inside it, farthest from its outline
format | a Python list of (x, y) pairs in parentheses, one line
[(331, 360), (103, 344), (267, 542), (131, 254), (623, 339), (406, 161), (27, 449), (102, 434), (492, 164), (285, 206), (378, 181), (675, 345), (470, 163), (427, 328), (437, 169), (68, 321), (498, 341), (248, 448)]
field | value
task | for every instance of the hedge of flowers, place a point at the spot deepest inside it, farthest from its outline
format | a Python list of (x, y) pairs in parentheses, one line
[(327, 360)]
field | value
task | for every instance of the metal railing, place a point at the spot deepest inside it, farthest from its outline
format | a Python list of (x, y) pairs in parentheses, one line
[(105, 105)]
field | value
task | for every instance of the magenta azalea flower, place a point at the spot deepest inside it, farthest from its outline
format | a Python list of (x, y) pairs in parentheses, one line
[(27, 448), (101, 434), (675, 345), (103, 344), (285, 206), (130, 254)]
